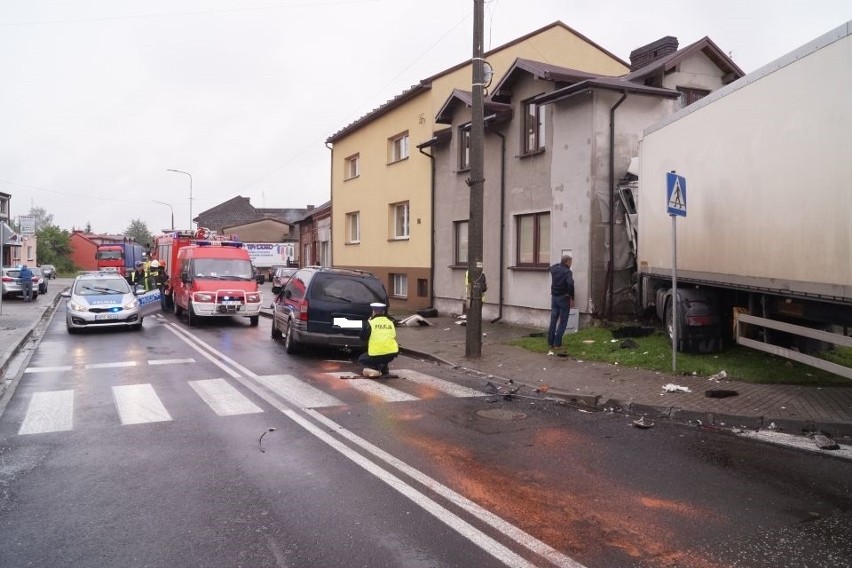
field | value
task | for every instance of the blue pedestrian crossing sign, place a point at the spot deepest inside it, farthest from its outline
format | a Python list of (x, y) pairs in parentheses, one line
[(676, 194)]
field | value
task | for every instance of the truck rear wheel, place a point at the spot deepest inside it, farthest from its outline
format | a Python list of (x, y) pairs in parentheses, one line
[(253, 320), (178, 309), (669, 322)]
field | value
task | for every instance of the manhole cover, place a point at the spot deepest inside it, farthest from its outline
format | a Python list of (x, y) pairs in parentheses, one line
[(500, 414)]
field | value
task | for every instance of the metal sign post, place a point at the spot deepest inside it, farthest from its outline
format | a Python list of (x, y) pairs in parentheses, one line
[(676, 204)]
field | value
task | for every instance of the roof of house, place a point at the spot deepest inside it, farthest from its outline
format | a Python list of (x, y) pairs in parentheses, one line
[(610, 83), (322, 208), (239, 211), (704, 45), (465, 98), (426, 84), (540, 70)]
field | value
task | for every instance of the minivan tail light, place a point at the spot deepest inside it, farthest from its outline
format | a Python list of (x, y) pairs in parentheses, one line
[(303, 311)]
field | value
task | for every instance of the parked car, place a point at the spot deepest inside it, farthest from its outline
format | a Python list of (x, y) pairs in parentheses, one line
[(105, 299), (42, 280), (11, 283), (282, 276), (324, 306), (49, 271)]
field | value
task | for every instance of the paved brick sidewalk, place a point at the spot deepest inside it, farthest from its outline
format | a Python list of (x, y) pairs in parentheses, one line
[(790, 408)]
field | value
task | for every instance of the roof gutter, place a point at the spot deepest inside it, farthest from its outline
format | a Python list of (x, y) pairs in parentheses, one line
[(432, 224)]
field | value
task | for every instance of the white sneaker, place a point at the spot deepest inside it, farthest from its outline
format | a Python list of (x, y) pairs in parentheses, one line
[(371, 373)]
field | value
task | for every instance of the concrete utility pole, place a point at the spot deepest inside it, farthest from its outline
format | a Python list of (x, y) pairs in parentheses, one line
[(473, 339)]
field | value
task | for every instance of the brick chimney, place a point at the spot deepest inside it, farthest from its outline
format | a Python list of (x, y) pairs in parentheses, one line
[(642, 56)]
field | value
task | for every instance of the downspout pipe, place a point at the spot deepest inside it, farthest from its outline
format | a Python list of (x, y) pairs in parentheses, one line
[(431, 229), (610, 274), (330, 192), (502, 225)]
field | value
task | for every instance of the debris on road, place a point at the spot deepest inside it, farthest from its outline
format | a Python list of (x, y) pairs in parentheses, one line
[(823, 442), (414, 321), (671, 387), (718, 376), (644, 423)]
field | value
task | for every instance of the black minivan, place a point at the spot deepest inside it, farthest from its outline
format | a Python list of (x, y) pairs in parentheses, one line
[(325, 306)]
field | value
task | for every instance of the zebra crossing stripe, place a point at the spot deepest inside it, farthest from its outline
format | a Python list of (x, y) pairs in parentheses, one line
[(447, 387), (47, 369), (223, 398), (139, 404), (381, 390), (116, 365), (170, 361), (51, 411), (292, 389)]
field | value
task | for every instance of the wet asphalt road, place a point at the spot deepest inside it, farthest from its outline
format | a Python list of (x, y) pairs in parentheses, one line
[(160, 464)]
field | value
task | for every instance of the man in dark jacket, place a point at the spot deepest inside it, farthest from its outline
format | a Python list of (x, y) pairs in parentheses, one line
[(561, 293), (26, 276)]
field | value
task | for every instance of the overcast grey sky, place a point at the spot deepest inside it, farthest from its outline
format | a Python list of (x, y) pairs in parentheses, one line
[(100, 97)]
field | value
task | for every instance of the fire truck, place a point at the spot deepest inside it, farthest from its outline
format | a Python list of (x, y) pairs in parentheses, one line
[(210, 275)]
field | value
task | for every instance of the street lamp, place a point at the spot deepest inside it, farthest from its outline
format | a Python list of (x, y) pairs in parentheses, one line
[(170, 208), (190, 192)]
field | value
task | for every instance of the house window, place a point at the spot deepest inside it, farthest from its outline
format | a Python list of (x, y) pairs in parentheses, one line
[(689, 95), (533, 246), (353, 166), (460, 229), (398, 148), (464, 147), (533, 127), (399, 285), (353, 227), (399, 213)]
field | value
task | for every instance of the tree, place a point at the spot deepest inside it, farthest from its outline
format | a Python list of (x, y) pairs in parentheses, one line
[(138, 231), (54, 247), (42, 218), (88, 228)]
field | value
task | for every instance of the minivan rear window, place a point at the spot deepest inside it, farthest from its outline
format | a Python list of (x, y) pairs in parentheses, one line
[(346, 290)]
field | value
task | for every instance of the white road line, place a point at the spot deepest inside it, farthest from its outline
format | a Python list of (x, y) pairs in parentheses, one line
[(298, 392), (139, 404), (111, 365), (51, 411), (452, 520), (47, 369), (191, 341), (224, 399), (170, 361), (447, 387), (798, 442), (468, 531), (377, 388), (484, 515)]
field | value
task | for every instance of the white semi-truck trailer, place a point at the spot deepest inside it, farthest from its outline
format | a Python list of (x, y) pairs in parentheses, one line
[(768, 227)]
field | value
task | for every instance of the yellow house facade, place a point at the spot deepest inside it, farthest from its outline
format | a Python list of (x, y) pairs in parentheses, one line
[(381, 184)]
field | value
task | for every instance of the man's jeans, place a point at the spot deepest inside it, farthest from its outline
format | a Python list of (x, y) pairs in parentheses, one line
[(559, 309), (28, 290)]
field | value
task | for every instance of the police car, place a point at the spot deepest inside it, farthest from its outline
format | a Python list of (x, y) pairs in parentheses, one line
[(105, 299)]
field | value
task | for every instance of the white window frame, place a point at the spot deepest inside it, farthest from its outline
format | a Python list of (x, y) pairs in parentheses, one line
[(534, 127), (460, 245), (398, 147), (400, 220), (352, 167), (399, 285), (353, 227), (537, 252), (464, 147)]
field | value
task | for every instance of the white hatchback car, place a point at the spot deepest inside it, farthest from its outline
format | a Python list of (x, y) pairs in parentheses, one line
[(105, 299)]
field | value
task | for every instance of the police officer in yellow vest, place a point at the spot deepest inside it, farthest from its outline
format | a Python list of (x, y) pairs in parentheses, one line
[(379, 334)]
